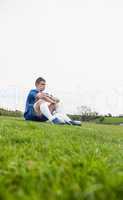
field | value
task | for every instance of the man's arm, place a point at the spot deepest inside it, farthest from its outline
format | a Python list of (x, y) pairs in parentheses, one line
[(53, 98), (44, 96)]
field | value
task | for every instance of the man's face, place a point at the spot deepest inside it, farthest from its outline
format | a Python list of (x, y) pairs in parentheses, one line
[(41, 86)]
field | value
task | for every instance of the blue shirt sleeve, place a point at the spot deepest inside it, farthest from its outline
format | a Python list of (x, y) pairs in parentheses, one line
[(30, 101), (31, 97), (33, 93)]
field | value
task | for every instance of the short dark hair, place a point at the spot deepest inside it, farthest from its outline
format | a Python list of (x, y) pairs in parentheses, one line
[(38, 80)]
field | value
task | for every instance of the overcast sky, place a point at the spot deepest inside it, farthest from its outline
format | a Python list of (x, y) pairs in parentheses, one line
[(76, 45)]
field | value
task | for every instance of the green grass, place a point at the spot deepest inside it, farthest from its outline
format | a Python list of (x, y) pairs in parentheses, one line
[(48, 162), (111, 120)]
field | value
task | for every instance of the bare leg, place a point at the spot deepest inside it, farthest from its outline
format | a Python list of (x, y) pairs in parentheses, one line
[(37, 105), (45, 108), (52, 107)]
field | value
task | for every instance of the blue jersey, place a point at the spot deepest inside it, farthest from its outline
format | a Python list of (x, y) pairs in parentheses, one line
[(29, 113), (29, 110)]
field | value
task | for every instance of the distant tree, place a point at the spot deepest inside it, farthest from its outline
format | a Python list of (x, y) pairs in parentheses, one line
[(83, 110), (109, 115), (121, 115), (101, 119), (86, 113)]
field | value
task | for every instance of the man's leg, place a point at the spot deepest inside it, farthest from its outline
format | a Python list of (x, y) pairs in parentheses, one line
[(45, 108), (60, 111), (42, 107), (52, 108)]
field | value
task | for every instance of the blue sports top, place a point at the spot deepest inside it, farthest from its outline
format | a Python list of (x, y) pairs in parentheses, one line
[(29, 111)]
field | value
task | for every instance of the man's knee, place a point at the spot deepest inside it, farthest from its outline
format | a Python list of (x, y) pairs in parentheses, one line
[(37, 106), (39, 101), (59, 105), (52, 107)]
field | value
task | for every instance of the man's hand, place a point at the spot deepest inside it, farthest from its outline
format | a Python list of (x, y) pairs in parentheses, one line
[(40, 95), (47, 98), (54, 99)]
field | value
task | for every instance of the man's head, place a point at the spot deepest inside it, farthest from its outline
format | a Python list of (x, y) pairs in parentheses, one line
[(40, 83)]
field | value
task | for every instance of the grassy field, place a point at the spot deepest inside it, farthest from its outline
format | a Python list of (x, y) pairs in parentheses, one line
[(48, 162), (111, 120)]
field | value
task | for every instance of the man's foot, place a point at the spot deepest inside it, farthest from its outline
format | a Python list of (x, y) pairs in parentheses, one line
[(57, 121), (68, 122), (75, 123)]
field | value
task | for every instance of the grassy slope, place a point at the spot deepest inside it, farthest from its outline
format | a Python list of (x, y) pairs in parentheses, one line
[(41, 161), (113, 120), (110, 120)]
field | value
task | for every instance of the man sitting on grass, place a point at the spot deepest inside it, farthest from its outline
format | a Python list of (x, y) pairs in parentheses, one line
[(41, 106)]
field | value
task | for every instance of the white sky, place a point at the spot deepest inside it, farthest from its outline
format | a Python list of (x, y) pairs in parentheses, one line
[(76, 45)]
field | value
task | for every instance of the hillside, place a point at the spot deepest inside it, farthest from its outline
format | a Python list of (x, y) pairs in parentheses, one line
[(48, 162)]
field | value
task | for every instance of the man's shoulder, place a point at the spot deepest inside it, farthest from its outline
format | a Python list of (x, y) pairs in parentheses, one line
[(33, 91)]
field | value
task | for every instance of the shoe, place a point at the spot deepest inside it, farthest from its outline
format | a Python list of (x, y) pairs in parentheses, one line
[(57, 121), (68, 123), (75, 123)]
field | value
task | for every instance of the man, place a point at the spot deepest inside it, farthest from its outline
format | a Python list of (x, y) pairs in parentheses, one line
[(41, 106)]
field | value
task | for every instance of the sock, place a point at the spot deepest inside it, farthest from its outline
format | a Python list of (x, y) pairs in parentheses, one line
[(60, 110), (46, 112), (59, 116), (65, 117)]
